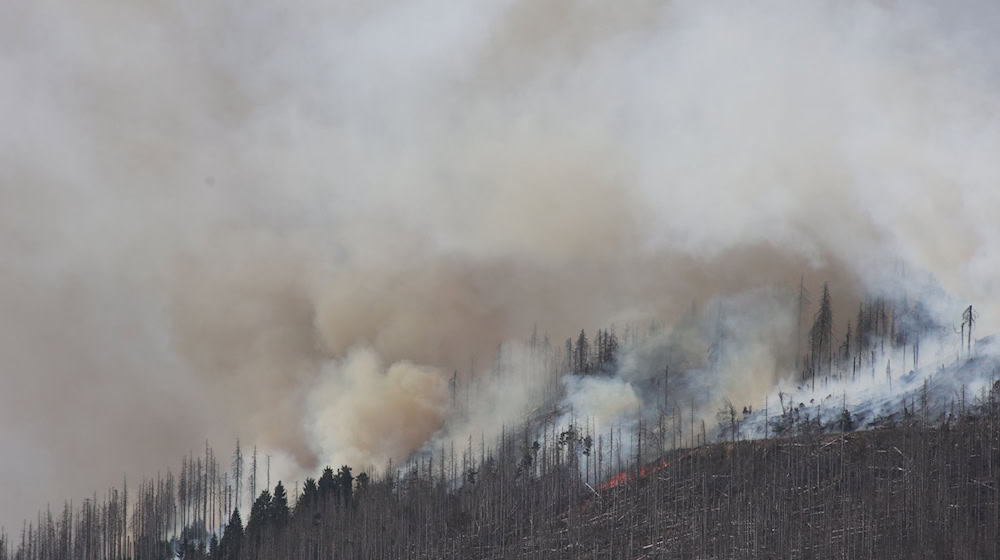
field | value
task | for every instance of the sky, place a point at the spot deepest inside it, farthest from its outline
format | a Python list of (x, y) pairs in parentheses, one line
[(289, 222)]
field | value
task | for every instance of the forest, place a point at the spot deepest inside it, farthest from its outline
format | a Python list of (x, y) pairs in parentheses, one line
[(917, 480), (502, 279)]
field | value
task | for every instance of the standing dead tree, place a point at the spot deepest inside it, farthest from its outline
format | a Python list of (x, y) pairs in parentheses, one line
[(821, 337), (238, 471), (968, 319), (803, 302)]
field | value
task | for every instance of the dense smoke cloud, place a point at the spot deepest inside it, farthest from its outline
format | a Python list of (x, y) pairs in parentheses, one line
[(371, 414), (258, 220)]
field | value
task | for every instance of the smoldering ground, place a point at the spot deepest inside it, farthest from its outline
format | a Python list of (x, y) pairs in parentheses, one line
[(204, 209)]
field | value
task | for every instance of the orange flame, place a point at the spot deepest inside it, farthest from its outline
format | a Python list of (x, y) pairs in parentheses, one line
[(628, 476)]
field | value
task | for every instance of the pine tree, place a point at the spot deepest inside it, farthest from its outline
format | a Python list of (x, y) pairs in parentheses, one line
[(582, 353), (259, 513), (238, 471), (821, 337), (327, 484), (230, 547), (278, 510), (345, 484), (310, 496)]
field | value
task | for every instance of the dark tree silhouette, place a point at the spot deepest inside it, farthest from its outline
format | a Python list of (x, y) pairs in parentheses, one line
[(821, 337), (278, 511), (230, 547), (582, 353)]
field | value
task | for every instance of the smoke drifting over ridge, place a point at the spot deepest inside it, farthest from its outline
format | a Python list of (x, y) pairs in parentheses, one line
[(221, 220)]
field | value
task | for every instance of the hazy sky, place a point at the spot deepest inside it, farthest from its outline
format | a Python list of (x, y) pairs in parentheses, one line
[(204, 207)]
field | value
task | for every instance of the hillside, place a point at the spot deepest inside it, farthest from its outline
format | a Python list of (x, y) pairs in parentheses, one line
[(853, 464), (907, 490)]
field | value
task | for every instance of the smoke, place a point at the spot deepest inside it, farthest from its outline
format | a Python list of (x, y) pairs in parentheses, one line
[(602, 400), (270, 221), (374, 414)]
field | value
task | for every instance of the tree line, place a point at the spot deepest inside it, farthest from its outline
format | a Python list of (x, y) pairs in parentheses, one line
[(539, 490)]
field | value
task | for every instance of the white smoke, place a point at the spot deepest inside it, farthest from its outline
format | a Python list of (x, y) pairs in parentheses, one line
[(603, 401), (370, 414)]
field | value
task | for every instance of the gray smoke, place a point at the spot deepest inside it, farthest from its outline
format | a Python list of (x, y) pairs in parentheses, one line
[(268, 220)]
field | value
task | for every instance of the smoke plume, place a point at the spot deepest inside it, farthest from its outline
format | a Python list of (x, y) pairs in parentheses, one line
[(293, 223)]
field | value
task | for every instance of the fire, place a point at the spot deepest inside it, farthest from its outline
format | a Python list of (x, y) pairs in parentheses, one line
[(627, 476)]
